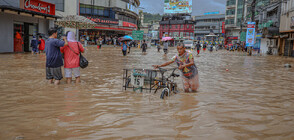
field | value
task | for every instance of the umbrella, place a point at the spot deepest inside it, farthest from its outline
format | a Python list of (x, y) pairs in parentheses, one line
[(166, 38), (125, 38), (75, 21)]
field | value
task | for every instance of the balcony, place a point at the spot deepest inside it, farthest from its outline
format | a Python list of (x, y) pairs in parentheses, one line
[(230, 25), (233, 6), (230, 16)]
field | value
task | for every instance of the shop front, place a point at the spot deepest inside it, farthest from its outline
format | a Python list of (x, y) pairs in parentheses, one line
[(106, 29), (19, 24)]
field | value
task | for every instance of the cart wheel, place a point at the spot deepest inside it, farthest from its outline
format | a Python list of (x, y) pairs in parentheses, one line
[(175, 90), (128, 82), (163, 93)]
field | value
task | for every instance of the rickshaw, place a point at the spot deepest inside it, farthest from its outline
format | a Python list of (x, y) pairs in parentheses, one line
[(151, 80)]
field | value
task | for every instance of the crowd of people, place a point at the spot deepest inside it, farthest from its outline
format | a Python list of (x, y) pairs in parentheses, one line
[(70, 48), (66, 52)]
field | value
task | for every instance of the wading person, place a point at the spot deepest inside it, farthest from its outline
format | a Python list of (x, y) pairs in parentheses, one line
[(34, 45), (198, 48), (124, 48), (165, 47), (53, 56), (144, 47), (72, 58), (185, 62), (41, 44)]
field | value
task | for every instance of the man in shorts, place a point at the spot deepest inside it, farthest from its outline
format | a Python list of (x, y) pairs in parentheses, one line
[(185, 62), (53, 56), (144, 47)]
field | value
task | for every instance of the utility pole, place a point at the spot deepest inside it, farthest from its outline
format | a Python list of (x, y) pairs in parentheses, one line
[(253, 10), (242, 18)]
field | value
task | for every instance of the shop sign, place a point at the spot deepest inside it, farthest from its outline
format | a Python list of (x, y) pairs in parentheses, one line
[(39, 6), (250, 34), (284, 36), (104, 20), (258, 35), (137, 35), (128, 24), (233, 37), (223, 28), (292, 22), (243, 36)]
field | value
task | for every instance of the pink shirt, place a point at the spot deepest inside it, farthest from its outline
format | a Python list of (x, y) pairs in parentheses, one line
[(71, 59)]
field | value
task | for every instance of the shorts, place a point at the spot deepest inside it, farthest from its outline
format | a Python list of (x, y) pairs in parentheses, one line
[(192, 83), (165, 51), (124, 52), (68, 72), (53, 73)]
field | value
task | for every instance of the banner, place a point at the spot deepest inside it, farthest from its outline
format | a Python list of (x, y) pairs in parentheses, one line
[(223, 28), (250, 34), (177, 6)]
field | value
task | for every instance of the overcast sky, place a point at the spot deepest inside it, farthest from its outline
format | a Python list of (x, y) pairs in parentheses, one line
[(199, 6)]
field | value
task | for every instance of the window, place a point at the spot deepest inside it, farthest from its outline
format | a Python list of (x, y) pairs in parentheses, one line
[(59, 4), (181, 26), (176, 26), (187, 26)]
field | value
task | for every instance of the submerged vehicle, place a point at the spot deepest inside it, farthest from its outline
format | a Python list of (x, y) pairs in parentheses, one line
[(188, 44)]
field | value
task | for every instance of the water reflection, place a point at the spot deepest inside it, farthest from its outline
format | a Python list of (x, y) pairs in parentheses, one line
[(253, 99)]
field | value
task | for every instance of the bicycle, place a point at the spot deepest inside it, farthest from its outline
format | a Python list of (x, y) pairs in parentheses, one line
[(168, 83)]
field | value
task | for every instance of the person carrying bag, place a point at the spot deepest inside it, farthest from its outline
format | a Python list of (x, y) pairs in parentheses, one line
[(73, 59)]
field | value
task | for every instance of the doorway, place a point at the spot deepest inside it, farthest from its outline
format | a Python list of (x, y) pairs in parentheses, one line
[(30, 30), (18, 33)]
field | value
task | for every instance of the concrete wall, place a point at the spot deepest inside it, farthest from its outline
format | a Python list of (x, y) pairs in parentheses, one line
[(7, 32), (286, 21), (6, 36), (14, 3), (263, 45)]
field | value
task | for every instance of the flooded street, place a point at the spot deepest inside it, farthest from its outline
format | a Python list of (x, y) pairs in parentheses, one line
[(254, 99)]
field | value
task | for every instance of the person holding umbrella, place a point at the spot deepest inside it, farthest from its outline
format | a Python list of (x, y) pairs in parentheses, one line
[(124, 47)]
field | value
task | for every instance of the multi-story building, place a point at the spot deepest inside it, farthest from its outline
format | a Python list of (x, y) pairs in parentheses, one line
[(113, 17), (287, 29), (23, 19), (205, 23), (177, 27), (267, 18), (233, 19)]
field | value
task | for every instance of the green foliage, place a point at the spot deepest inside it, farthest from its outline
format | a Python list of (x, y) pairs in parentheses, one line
[(148, 18)]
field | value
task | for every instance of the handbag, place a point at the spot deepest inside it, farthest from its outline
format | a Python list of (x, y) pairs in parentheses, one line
[(83, 61)]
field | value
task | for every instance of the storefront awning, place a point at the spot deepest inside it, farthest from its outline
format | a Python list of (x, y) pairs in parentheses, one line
[(19, 11), (113, 28)]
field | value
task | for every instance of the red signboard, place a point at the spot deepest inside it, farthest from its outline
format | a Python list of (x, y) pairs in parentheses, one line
[(223, 28), (251, 26), (104, 20), (39, 6), (233, 37), (128, 24)]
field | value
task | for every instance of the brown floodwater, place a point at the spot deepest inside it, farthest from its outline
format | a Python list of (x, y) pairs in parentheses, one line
[(254, 99)]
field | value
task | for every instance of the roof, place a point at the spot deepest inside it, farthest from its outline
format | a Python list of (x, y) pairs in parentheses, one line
[(217, 16), (16, 9)]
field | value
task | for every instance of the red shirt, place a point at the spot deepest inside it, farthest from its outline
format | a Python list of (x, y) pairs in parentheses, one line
[(42, 45), (71, 59)]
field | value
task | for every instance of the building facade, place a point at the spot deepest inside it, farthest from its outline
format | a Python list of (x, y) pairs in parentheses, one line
[(287, 29), (176, 27), (23, 19), (267, 18), (205, 23), (113, 17)]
